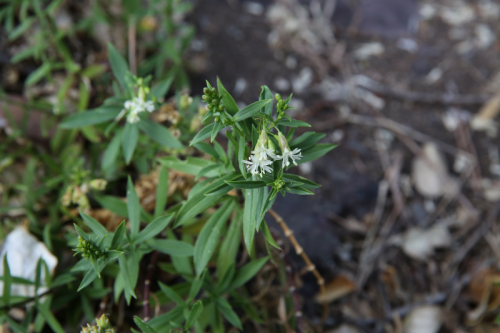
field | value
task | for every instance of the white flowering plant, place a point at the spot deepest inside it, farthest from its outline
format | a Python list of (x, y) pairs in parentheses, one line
[(260, 149), (176, 244)]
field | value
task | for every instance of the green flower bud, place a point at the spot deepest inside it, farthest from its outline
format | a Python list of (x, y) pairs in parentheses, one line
[(278, 97), (215, 102), (206, 90)]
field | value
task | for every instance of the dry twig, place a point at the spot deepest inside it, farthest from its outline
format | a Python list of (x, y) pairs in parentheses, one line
[(299, 250)]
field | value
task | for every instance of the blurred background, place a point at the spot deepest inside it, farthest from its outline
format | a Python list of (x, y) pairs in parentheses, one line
[(405, 226)]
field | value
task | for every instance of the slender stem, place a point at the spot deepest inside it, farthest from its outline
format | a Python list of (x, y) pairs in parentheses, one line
[(147, 282), (299, 250), (132, 46)]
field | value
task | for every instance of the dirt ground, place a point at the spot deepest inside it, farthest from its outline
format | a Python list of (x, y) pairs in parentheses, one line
[(404, 231)]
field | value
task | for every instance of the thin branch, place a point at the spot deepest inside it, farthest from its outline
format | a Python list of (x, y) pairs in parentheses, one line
[(147, 282), (132, 46), (299, 250)]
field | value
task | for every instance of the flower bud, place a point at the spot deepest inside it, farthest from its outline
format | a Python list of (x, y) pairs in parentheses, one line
[(278, 97), (98, 184)]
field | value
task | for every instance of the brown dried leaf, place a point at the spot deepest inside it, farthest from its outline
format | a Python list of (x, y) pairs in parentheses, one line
[(483, 289), (483, 120), (335, 289)]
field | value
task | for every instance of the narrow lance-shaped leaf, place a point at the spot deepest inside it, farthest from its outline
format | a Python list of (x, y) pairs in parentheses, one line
[(159, 133), (247, 272), (129, 141), (209, 236), (145, 328), (250, 110), (203, 134), (118, 65), (134, 208), (153, 228), (161, 191), (90, 117), (227, 99), (7, 280), (94, 225)]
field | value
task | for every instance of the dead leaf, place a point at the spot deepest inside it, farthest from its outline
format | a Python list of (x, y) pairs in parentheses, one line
[(335, 289), (420, 244), (484, 119), (430, 173), (484, 290), (424, 319)]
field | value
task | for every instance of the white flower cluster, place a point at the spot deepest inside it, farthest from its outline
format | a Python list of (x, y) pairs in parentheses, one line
[(134, 107), (262, 158)]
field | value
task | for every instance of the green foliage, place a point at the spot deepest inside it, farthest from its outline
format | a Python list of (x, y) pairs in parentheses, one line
[(99, 157)]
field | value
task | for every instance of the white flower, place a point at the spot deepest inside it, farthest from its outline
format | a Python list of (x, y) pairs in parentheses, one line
[(255, 163), (134, 107), (287, 153), (293, 155), (262, 152)]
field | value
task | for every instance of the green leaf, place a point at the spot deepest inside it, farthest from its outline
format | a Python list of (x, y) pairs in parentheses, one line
[(196, 285), (49, 317), (161, 191), (129, 140), (299, 190), (206, 148), (145, 328), (209, 236), (111, 152), (199, 202), (250, 215), (21, 28), (306, 140), (292, 123), (7, 280), (207, 170), (219, 190), (128, 274), (38, 74), (306, 183), (242, 156), (250, 110), (90, 276), (95, 226), (153, 228), (230, 244), (203, 134), (118, 65), (191, 166), (227, 311), (194, 314), (268, 236), (247, 272), (172, 294), (316, 152), (173, 247), (162, 322), (82, 233), (215, 130), (159, 133), (134, 208), (90, 117), (247, 184), (266, 94), (227, 99), (160, 89)]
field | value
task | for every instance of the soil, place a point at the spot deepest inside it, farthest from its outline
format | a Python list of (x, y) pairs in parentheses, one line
[(236, 47)]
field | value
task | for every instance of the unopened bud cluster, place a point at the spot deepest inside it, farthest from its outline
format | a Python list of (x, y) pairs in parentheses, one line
[(77, 194), (89, 250), (102, 326), (214, 103), (281, 107)]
